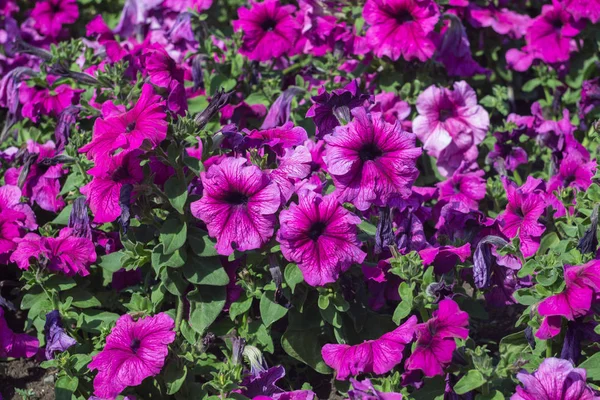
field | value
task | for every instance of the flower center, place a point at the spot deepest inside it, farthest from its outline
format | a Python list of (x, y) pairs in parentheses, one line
[(268, 25), (568, 180), (236, 198), (120, 174), (130, 127), (557, 23), (369, 152), (135, 345), (403, 16), (316, 230), (446, 113), (519, 212)]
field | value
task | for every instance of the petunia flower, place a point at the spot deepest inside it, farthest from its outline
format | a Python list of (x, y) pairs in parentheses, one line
[(445, 258), (371, 161), (238, 205), (294, 166), (365, 391), (44, 101), (450, 124), (401, 28), (15, 345), (372, 356), (278, 138), (550, 34), (526, 204), (104, 191), (134, 351), (393, 109), (435, 339), (588, 9), (128, 129), (320, 235), (161, 68), (66, 253), (49, 16), (555, 379), (56, 337), (503, 21), (328, 106), (463, 187), (269, 30), (454, 51)]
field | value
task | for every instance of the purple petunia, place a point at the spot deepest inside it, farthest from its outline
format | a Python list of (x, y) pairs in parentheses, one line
[(56, 337)]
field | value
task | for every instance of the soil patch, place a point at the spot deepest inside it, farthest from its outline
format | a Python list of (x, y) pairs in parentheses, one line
[(27, 375)]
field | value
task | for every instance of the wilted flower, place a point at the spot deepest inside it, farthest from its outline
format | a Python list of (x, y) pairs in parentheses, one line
[(56, 337), (454, 51), (134, 351)]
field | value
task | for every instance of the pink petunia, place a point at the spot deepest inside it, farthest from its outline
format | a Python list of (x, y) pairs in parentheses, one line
[(278, 138), (401, 28), (526, 204), (550, 34), (128, 130), (15, 345), (49, 16), (320, 235), (372, 356), (269, 29), (502, 21), (445, 258), (555, 379), (435, 339), (44, 101), (393, 109), (161, 68), (109, 177), (467, 188), (66, 253), (588, 9), (238, 205), (134, 351), (371, 161), (450, 124)]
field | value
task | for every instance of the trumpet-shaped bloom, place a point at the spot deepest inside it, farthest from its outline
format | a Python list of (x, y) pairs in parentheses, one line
[(56, 337), (66, 253), (49, 16), (371, 161), (104, 191), (269, 29), (450, 123), (525, 206), (401, 28), (320, 235), (372, 356), (555, 379), (15, 345), (134, 351), (435, 339), (463, 187), (128, 129), (238, 205)]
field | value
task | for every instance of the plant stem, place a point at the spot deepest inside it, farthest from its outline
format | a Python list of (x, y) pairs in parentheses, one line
[(179, 316), (548, 348)]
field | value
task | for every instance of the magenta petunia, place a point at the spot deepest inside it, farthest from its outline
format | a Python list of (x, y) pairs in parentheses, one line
[(503, 21), (320, 235), (445, 258), (51, 15), (574, 171), (238, 205), (588, 9), (463, 187), (401, 28), (44, 101), (435, 339), (450, 123), (555, 379), (371, 161), (365, 391), (526, 204), (278, 138), (393, 109), (128, 129), (66, 253), (134, 351), (372, 356), (15, 345), (269, 30), (108, 179), (550, 34), (161, 68)]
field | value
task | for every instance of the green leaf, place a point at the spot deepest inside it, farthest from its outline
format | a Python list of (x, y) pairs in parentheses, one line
[(173, 281), (174, 260), (173, 235), (472, 380), (548, 242), (65, 386), (175, 375), (112, 262), (547, 277), (176, 191), (206, 303), (368, 228), (188, 333), (205, 271), (293, 276), (63, 217), (201, 244), (592, 366), (525, 297), (241, 306), (31, 298), (406, 305), (493, 395), (60, 282), (270, 311), (531, 84), (300, 341), (323, 301), (82, 298)]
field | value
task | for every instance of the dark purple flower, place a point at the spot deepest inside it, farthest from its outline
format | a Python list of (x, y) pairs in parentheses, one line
[(79, 220), (483, 259), (279, 113), (66, 119), (56, 337), (327, 105)]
